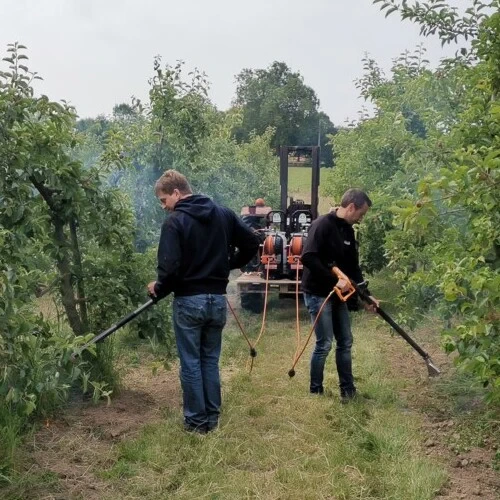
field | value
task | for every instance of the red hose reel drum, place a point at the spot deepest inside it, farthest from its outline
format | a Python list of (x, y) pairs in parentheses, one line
[(269, 245), (296, 245)]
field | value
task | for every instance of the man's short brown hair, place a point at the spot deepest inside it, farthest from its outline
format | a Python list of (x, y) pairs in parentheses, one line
[(356, 196), (170, 180)]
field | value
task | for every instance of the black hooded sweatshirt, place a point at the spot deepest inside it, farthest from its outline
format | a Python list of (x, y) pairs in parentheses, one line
[(330, 242), (200, 243)]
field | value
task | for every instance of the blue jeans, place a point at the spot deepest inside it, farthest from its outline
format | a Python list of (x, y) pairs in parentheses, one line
[(198, 324), (333, 322)]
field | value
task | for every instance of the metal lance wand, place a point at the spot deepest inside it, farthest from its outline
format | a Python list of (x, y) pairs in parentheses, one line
[(360, 288), (126, 319)]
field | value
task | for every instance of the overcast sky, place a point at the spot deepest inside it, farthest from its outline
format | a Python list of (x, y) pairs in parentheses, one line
[(96, 53)]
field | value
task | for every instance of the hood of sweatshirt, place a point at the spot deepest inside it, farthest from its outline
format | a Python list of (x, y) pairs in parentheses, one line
[(198, 206)]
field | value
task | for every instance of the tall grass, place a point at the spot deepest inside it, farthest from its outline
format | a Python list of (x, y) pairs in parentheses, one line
[(10, 437)]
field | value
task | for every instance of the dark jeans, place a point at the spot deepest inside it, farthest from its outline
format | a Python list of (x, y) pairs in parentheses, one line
[(198, 324), (333, 322)]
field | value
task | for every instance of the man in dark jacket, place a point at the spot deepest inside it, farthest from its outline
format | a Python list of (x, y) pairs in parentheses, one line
[(199, 244), (331, 242)]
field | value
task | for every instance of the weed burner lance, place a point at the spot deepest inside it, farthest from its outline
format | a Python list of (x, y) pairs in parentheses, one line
[(360, 288), (116, 326)]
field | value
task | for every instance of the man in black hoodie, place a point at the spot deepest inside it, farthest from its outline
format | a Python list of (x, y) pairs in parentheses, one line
[(199, 244), (331, 242)]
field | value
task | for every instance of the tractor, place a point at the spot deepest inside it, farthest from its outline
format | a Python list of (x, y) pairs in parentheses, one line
[(277, 265)]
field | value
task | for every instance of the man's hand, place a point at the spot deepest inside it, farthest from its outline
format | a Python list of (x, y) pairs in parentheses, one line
[(151, 289), (343, 285), (372, 307)]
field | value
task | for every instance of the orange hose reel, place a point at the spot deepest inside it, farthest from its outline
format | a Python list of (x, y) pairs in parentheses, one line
[(268, 256), (294, 251)]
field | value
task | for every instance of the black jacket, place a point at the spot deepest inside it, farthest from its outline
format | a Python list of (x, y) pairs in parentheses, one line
[(197, 248), (330, 242)]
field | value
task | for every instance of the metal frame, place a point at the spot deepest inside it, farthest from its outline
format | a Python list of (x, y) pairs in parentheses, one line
[(252, 283), (284, 151)]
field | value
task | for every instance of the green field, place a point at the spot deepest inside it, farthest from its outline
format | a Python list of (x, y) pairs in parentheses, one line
[(299, 186)]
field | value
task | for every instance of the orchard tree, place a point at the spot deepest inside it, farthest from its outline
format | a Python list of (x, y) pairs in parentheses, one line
[(62, 229), (179, 128), (456, 207)]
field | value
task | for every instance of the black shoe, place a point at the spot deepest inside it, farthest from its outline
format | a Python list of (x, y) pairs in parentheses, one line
[(212, 426), (318, 390), (348, 397), (198, 429)]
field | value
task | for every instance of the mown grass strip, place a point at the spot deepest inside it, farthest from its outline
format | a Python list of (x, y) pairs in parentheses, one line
[(277, 441)]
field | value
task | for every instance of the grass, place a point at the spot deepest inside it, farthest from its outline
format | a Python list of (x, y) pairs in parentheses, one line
[(27, 484), (277, 441), (11, 426)]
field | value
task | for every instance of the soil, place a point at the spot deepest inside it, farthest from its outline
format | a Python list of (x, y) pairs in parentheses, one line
[(81, 440), (470, 473)]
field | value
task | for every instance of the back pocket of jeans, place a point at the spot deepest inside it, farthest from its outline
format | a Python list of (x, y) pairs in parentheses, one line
[(190, 309)]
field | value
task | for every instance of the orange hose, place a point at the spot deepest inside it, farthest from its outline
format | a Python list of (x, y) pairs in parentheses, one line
[(291, 372), (297, 321), (253, 352), (239, 324), (263, 325)]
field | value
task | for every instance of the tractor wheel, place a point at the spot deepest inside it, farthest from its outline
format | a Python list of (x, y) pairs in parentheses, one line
[(252, 302)]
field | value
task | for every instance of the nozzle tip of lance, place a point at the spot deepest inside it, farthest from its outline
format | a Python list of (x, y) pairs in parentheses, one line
[(432, 369), (253, 352), (291, 373), (73, 357)]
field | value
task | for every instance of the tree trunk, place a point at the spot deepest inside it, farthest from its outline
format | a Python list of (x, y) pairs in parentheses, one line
[(80, 288), (64, 267), (63, 262)]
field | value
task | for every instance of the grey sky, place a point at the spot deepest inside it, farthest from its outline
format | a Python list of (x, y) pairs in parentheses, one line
[(96, 53)]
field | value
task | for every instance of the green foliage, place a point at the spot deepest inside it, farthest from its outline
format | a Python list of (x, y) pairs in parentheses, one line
[(236, 174), (200, 140), (35, 357), (461, 198), (179, 128), (436, 16), (371, 236), (430, 159), (36, 371), (178, 111)]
